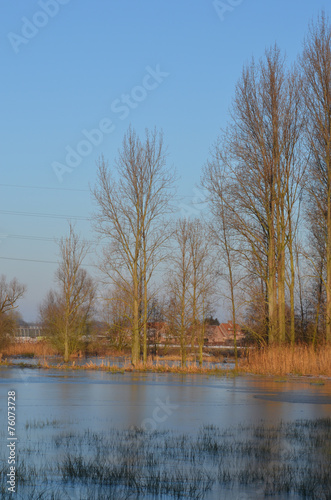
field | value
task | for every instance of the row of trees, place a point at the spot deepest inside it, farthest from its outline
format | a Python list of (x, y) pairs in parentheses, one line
[(269, 183), (134, 217), (265, 243)]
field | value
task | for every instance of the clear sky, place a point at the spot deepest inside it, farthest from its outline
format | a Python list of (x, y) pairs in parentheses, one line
[(77, 73)]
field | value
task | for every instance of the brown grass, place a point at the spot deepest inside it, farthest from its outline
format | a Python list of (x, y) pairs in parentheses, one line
[(42, 348), (29, 349), (150, 366), (102, 348), (275, 360), (191, 368), (191, 358), (284, 360)]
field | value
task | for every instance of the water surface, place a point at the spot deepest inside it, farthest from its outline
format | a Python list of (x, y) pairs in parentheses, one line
[(98, 400), (70, 411)]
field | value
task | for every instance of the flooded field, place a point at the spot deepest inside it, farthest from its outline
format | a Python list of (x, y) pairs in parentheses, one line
[(91, 434), (111, 361)]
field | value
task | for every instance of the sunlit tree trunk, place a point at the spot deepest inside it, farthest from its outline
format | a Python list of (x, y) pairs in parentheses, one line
[(316, 65)]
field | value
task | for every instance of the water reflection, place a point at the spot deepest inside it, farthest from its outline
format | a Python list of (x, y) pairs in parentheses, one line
[(61, 405), (101, 399)]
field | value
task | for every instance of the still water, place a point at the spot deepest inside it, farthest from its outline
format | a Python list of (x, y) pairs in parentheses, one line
[(98, 400), (54, 406)]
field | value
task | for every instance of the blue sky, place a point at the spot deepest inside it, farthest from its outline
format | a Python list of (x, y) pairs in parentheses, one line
[(76, 74)]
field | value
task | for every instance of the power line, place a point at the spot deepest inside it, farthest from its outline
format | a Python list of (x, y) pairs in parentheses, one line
[(26, 237), (30, 260), (38, 238), (39, 214), (39, 261), (45, 188), (85, 190)]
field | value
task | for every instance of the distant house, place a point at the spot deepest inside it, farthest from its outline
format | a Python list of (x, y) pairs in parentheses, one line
[(28, 331), (222, 334), (157, 332)]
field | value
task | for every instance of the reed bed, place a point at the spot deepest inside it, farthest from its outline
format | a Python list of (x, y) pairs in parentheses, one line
[(287, 360), (29, 349), (150, 367), (281, 361)]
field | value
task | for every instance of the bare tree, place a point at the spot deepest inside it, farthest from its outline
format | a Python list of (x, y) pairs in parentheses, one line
[(316, 65), (260, 152), (10, 293), (203, 279), (131, 217), (179, 312), (65, 313), (224, 236), (316, 276), (191, 284), (116, 313)]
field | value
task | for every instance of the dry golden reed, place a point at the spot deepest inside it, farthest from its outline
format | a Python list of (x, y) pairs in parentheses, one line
[(29, 349), (285, 360)]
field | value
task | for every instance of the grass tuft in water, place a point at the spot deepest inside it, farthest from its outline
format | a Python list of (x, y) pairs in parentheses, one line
[(284, 461)]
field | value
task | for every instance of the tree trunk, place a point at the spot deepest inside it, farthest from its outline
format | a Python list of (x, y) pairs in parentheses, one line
[(291, 286), (145, 303), (319, 299), (135, 356), (183, 347), (271, 284), (145, 326), (281, 296), (66, 344), (328, 262), (202, 334)]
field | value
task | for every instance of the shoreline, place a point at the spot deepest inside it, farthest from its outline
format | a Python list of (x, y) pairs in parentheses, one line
[(191, 369)]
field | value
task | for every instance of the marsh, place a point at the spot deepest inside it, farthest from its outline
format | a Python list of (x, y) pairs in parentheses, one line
[(94, 434)]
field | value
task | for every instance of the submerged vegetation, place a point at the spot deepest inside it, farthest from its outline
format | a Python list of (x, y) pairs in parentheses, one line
[(280, 460)]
